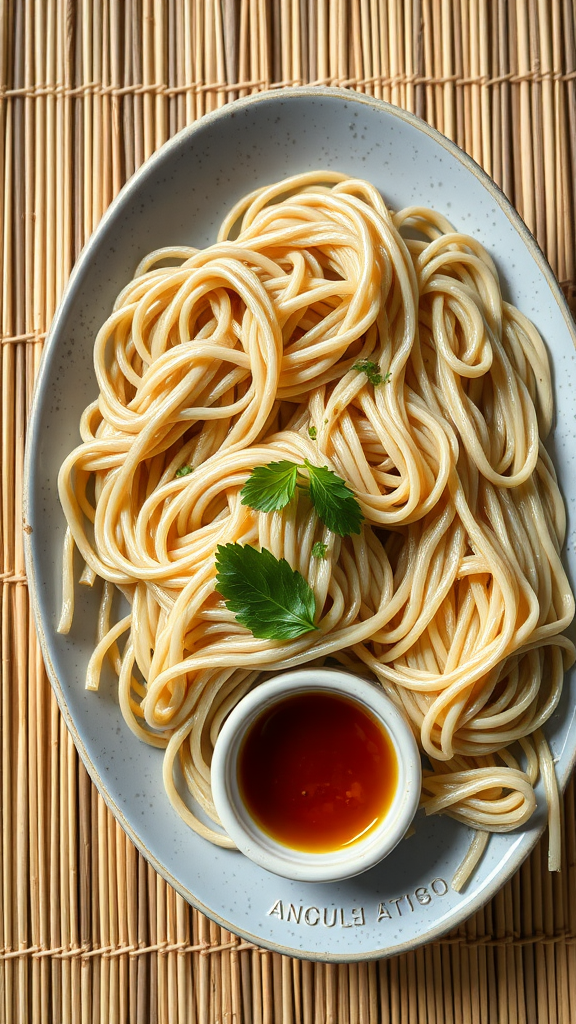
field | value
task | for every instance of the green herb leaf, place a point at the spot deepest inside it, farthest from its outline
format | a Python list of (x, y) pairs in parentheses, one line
[(387, 377), (270, 487), (312, 432), (184, 471), (333, 500), (319, 550), (372, 370), (266, 595)]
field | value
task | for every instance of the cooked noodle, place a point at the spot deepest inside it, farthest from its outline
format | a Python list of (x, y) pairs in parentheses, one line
[(453, 596)]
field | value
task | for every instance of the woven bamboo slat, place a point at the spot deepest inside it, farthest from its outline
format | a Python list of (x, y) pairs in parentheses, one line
[(88, 90)]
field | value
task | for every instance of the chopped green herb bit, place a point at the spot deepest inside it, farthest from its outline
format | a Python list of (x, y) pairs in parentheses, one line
[(371, 369), (270, 487), (312, 432), (387, 377), (319, 550), (265, 594), (184, 471)]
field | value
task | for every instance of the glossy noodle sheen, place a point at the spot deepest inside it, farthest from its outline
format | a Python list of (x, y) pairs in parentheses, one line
[(453, 596)]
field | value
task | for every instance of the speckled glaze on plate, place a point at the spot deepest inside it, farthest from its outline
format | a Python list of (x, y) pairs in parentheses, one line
[(179, 197)]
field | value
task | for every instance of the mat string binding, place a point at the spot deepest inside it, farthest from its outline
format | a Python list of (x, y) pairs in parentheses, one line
[(205, 948), (161, 89)]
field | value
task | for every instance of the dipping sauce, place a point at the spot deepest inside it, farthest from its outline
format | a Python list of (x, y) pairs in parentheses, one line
[(317, 771)]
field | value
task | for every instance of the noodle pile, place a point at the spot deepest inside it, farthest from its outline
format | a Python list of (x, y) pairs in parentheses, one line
[(453, 596)]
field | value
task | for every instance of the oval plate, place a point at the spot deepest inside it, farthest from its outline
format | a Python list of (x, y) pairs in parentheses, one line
[(179, 197)]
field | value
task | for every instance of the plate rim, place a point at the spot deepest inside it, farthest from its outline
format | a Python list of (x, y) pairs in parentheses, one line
[(435, 931)]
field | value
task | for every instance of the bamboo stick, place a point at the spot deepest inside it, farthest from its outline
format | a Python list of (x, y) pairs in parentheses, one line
[(466, 71), (138, 72), (567, 97), (154, 990), (564, 187), (437, 59), (255, 1010), (295, 981), (230, 33), (515, 134), (64, 869), (540, 58), (365, 39), (210, 52), (170, 957), (323, 51), (418, 48), (296, 51), (383, 991), (303, 44), (312, 30), (408, 56), (38, 994), (393, 47), (106, 193), (484, 12), (95, 30), (459, 72), (558, 924), (569, 879), (14, 708), (85, 888), (160, 76), (148, 75), (116, 101), (188, 64), (355, 53), (144, 984), (447, 71), (527, 163), (173, 53)]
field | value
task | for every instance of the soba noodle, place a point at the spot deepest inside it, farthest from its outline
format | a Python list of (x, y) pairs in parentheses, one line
[(453, 596)]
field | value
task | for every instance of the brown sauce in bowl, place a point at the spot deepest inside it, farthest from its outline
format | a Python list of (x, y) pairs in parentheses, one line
[(317, 771)]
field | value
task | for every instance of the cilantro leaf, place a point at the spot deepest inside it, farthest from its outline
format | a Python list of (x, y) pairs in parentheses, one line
[(371, 369), (270, 487), (266, 595), (312, 432), (184, 471), (333, 500), (319, 550)]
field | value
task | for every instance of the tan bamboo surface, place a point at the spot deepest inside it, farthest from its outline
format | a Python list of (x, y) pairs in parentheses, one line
[(88, 90)]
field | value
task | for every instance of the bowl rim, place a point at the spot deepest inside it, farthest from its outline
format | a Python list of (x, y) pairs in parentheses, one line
[(489, 890), (272, 855)]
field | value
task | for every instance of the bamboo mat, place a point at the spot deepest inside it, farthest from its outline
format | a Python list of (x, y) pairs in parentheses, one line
[(88, 90)]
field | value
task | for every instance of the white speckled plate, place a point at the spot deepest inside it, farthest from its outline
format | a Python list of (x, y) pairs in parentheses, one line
[(180, 196)]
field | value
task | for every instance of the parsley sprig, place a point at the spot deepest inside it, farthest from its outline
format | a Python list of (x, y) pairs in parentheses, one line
[(333, 500), (270, 488), (265, 594), (184, 471)]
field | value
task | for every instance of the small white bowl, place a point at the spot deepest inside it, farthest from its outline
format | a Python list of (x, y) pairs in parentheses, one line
[(297, 864)]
